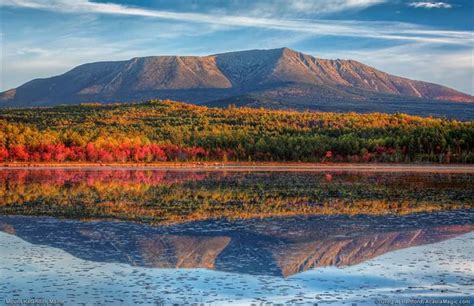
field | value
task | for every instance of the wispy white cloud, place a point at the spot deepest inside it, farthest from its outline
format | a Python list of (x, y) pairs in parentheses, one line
[(377, 30), (24, 3), (430, 5), (330, 6), (301, 8)]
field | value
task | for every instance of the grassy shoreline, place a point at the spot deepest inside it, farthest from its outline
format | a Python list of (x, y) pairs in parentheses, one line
[(253, 166)]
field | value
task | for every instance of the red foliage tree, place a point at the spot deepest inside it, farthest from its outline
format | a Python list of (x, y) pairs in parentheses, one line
[(91, 152), (4, 154), (157, 153), (19, 153), (104, 156)]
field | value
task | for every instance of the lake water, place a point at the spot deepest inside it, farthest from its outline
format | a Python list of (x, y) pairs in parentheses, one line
[(126, 237)]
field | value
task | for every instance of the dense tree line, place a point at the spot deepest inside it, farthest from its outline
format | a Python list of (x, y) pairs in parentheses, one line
[(170, 131)]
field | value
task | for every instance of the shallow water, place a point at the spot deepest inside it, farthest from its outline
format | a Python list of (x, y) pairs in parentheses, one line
[(378, 251), (238, 262), (183, 196)]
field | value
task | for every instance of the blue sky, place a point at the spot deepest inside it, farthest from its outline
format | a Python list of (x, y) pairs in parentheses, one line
[(425, 40)]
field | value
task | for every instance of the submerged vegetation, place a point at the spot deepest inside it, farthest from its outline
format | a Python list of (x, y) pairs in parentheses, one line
[(178, 196), (171, 131)]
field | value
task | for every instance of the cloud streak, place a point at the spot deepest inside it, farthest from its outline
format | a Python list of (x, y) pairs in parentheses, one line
[(330, 6), (431, 5), (376, 30)]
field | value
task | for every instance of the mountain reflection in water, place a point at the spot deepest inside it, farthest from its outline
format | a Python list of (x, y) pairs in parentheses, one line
[(273, 246)]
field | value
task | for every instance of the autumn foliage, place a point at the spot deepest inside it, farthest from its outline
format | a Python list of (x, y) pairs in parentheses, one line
[(110, 153), (169, 131)]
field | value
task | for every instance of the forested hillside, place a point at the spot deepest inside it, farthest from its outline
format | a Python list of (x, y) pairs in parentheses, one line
[(171, 131)]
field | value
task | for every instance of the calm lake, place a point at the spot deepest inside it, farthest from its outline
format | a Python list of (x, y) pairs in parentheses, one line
[(127, 237)]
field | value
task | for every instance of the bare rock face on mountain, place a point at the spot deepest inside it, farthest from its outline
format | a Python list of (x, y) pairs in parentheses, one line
[(277, 78)]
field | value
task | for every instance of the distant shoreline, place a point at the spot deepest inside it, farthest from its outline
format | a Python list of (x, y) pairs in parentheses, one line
[(249, 166)]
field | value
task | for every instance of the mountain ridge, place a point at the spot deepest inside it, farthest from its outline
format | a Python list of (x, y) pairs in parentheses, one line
[(286, 77)]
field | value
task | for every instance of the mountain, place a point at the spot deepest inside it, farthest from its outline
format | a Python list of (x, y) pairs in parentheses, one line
[(277, 78)]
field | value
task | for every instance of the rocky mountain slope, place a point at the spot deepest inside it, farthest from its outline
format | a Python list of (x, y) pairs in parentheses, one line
[(277, 78)]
